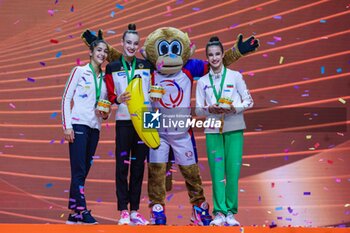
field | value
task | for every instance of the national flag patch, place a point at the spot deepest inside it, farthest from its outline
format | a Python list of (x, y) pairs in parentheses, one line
[(229, 85)]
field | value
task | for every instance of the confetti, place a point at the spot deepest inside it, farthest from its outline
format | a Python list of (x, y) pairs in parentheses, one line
[(279, 208), (99, 200), (308, 137), (62, 215), (218, 159), (322, 70), (265, 55), (307, 193), (338, 180), (290, 210), (31, 80), (234, 25), (277, 17), (288, 219), (59, 54), (53, 115), (341, 100), (271, 43), (272, 184), (323, 21), (274, 101), (72, 8), (51, 12), (346, 205), (195, 8), (16, 22), (112, 14), (126, 161), (110, 32), (281, 60), (42, 63), (179, 216), (246, 164), (62, 141), (170, 196), (277, 38), (53, 41), (12, 105), (339, 70), (52, 142), (120, 7), (56, 2), (48, 185)]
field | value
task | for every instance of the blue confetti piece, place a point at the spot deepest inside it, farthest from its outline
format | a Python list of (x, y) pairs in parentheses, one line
[(42, 63), (218, 159), (296, 87), (277, 17), (339, 70), (49, 185), (112, 14), (72, 9), (323, 21), (290, 210), (307, 193), (322, 70), (52, 141), (56, 2), (62, 141), (53, 115), (279, 218), (179, 216), (133, 158), (59, 54), (279, 208), (271, 43), (31, 80), (169, 197), (119, 7), (196, 9), (234, 25), (288, 219)]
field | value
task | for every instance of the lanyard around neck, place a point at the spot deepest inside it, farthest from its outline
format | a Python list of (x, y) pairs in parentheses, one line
[(218, 95), (127, 70), (97, 87)]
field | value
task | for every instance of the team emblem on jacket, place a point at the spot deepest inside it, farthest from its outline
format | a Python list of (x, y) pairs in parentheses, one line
[(140, 65), (174, 94), (189, 154)]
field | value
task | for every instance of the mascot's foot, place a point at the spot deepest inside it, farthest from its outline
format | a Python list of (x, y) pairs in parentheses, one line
[(158, 215), (200, 214)]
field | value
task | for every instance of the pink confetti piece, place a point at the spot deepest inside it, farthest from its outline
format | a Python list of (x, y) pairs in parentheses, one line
[(338, 180), (265, 55), (127, 162), (168, 8), (272, 184), (12, 105), (196, 9), (234, 25), (16, 22), (251, 74), (8, 146), (277, 38), (51, 12)]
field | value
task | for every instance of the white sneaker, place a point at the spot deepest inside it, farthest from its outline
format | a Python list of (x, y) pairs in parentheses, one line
[(219, 220), (230, 219), (137, 219), (124, 218)]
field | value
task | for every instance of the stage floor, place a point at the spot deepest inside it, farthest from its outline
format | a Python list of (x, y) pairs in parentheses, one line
[(60, 228)]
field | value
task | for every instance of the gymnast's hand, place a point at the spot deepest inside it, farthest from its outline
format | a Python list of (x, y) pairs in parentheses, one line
[(69, 135)]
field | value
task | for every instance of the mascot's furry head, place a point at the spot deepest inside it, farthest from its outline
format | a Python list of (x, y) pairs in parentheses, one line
[(168, 49)]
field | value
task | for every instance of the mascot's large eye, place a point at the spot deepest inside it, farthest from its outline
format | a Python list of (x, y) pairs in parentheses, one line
[(175, 47), (163, 48)]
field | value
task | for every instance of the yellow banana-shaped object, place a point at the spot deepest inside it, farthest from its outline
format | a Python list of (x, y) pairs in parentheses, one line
[(136, 106)]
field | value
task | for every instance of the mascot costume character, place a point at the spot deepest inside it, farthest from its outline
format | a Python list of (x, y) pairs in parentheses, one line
[(169, 50)]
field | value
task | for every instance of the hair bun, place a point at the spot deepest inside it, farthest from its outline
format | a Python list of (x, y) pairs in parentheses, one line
[(214, 38), (132, 27)]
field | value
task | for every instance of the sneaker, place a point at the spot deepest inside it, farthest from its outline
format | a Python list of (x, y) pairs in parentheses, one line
[(230, 219), (86, 218), (137, 219), (124, 218), (200, 215), (158, 216), (219, 220), (73, 219)]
